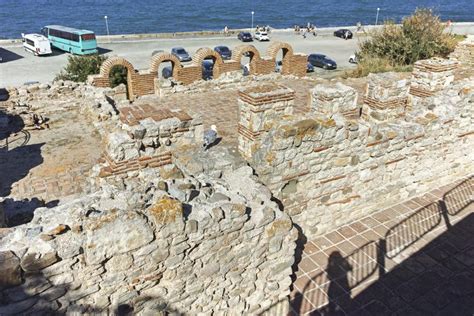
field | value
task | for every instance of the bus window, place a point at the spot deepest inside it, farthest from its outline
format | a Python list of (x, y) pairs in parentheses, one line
[(88, 37)]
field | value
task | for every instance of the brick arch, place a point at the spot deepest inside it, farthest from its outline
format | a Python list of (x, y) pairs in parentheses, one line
[(273, 50), (203, 53), (110, 63), (162, 57), (115, 61), (275, 47), (238, 51)]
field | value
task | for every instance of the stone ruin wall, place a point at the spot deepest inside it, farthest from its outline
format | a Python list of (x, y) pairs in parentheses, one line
[(330, 167), (147, 82), (464, 51), (152, 237), (93, 255), (169, 234)]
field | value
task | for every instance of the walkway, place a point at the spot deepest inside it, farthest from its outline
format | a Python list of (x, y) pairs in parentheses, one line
[(416, 258)]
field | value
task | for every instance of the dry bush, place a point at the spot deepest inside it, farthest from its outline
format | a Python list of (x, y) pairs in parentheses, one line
[(397, 47)]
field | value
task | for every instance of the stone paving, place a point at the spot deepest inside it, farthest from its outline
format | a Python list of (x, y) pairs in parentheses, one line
[(50, 163), (415, 258)]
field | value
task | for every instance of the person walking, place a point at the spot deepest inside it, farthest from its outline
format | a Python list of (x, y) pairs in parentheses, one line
[(226, 30)]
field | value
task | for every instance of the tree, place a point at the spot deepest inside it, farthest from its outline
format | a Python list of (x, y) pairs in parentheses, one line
[(79, 67)]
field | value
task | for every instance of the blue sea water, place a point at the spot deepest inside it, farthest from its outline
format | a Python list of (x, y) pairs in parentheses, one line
[(156, 16)]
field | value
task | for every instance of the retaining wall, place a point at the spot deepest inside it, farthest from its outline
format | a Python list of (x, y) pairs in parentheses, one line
[(328, 168)]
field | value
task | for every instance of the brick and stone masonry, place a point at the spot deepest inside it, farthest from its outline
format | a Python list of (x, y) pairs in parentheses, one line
[(146, 138), (258, 107), (145, 82), (328, 169)]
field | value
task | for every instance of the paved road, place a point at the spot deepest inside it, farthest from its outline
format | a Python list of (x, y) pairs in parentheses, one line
[(20, 66)]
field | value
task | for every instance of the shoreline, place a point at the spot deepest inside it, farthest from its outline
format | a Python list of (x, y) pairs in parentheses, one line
[(462, 28)]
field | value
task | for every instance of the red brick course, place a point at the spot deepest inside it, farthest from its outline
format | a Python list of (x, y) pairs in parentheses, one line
[(143, 83)]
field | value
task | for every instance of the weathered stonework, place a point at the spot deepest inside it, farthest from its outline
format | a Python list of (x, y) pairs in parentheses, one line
[(146, 137), (332, 170), (167, 227), (230, 253), (327, 100), (386, 97), (464, 52), (259, 106), (432, 75)]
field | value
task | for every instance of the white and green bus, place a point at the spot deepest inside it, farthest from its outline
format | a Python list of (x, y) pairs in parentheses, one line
[(74, 41)]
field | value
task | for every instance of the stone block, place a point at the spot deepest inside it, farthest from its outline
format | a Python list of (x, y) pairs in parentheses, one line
[(34, 262), (10, 270), (330, 99)]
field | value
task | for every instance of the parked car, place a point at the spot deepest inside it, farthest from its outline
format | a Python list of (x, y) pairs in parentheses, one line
[(279, 65), (261, 36), (207, 69), (224, 51), (320, 60), (353, 59), (181, 53), (37, 44), (342, 33), (167, 72), (245, 37)]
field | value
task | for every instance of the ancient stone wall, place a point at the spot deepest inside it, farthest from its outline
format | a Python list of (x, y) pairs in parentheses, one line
[(328, 168), (432, 75), (464, 51), (146, 82), (145, 137), (164, 242)]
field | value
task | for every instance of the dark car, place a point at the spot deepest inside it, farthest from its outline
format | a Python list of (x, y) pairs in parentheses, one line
[(167, 72), (343, 33), (181, 53), (224, 51), (207, 69), (245, 37), (320, 60), (279, 65)]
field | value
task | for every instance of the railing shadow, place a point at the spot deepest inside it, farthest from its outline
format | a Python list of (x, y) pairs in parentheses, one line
[(331, 288), (460, 197), (412, 229)]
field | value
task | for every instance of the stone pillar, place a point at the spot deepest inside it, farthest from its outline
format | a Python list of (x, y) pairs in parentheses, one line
[(386, 97), (327, 100), (431, 75), (147, 137), (258, 106)]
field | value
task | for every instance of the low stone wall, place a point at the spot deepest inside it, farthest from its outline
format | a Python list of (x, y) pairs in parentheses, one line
[(464, 51), (328, 169), (144, 82)]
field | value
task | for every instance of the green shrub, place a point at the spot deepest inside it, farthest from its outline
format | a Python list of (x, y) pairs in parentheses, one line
[(397, 47), (79, 67), (118, 75)]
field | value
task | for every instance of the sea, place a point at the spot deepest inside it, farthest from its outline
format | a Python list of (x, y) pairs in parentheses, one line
[(159, 16)]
